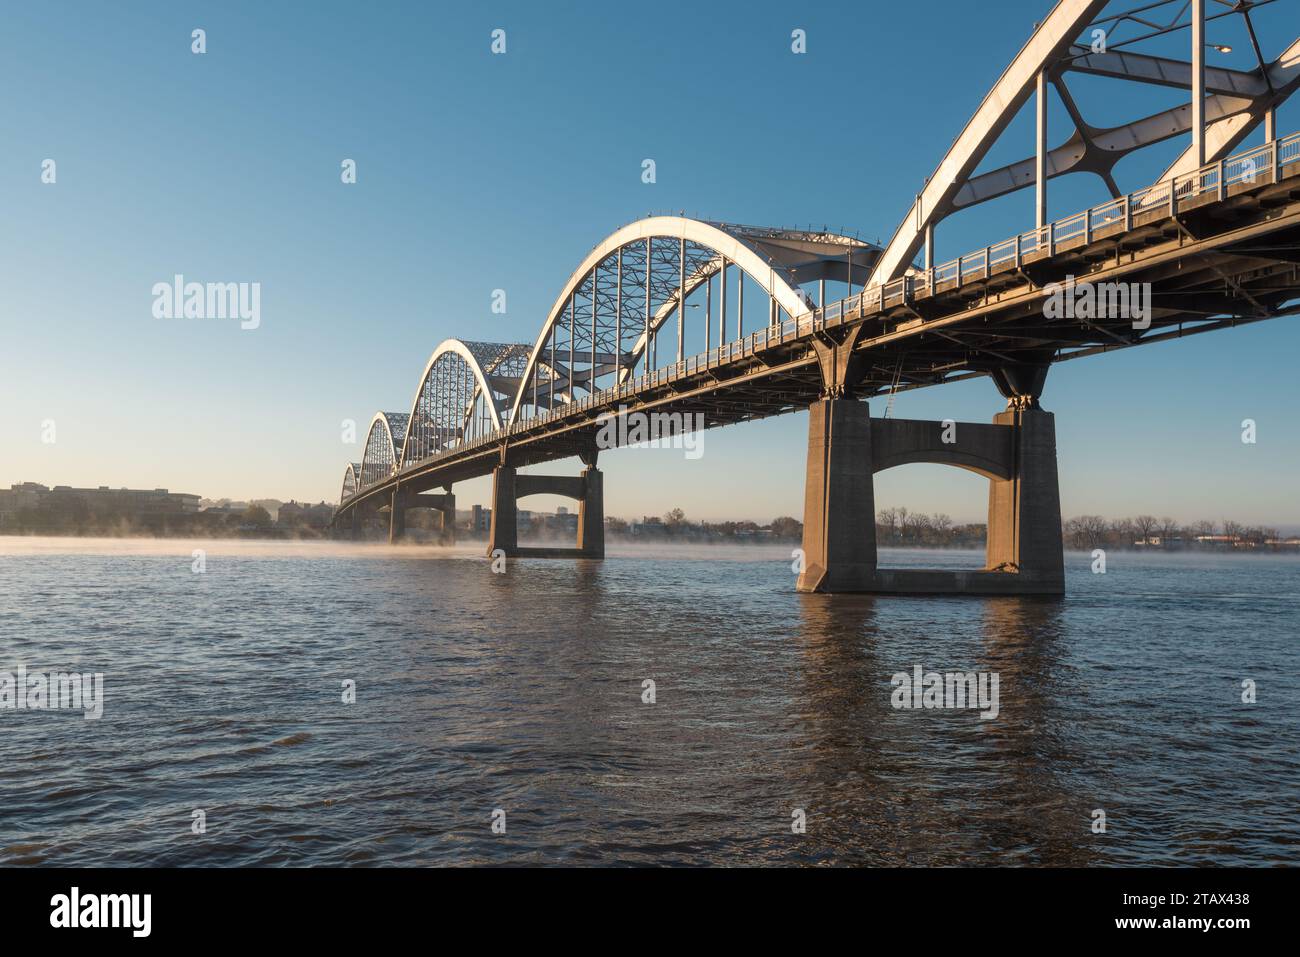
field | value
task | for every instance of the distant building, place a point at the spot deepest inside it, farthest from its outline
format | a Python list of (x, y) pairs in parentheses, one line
[(294, 514), (565, 521), (32, 505), (26, 495)]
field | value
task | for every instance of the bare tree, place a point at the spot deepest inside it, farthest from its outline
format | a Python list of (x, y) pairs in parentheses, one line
[(1146, 526), (1121, 531), (1168, 530), (1086, 531), (914, 525), (786, 528), (888, 519)]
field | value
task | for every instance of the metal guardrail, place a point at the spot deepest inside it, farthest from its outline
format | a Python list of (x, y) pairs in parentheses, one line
[(1263, 164)]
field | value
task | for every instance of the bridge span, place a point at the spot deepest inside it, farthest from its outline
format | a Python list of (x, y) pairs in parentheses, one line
[(746, 330)]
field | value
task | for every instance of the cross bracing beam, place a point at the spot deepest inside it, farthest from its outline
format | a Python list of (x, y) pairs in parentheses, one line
[(1238, 102)]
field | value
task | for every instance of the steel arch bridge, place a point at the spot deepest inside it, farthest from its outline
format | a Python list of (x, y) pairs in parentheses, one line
[(676, 314), (605, 327)]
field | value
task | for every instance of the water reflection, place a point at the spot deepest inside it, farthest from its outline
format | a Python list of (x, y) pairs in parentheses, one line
[(1030, 755), (886, 781)]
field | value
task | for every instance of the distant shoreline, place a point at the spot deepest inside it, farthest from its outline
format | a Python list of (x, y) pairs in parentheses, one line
[(658, 542)]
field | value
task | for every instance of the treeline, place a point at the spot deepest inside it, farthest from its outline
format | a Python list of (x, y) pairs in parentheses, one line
[(901, 528), (1146, 531), (895, 527), (675, 526)]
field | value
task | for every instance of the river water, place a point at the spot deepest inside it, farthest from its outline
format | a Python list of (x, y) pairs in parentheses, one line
[(518, 698)]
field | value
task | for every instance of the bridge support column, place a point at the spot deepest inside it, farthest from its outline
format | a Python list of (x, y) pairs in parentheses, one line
[(587, 488), (839, 516), (1024, 524), (397, 518), (447, 534), (504, 531), (591, 515), (444, 505), (402, 500)]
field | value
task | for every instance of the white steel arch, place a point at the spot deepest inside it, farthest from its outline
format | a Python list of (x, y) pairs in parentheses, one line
[(776, 260), (383, 448), (351, 480), (465, 390), (1236, 104)]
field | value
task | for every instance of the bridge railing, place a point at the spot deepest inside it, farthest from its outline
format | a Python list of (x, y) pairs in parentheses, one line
[(1262, 164)]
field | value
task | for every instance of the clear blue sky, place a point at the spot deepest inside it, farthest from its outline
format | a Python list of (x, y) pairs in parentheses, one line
[(477, 172)]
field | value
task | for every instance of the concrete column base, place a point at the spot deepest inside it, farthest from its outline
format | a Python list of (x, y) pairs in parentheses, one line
[(591, 515), (397, 519), (503, 533), (447, 533), (839, 526), (1024, 526)]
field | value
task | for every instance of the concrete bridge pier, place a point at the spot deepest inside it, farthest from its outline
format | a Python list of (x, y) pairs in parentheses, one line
[(365, 520), (588, 488), (503, 532), (591, 514), (397, 518), (1024, 525), (447, 533), (444, 504), (839, 511), (1016, 453)]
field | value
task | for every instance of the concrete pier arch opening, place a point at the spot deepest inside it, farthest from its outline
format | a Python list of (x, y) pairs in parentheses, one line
[(922, 507)]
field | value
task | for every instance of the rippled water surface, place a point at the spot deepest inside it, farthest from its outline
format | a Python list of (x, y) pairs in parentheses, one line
[(523, 692)]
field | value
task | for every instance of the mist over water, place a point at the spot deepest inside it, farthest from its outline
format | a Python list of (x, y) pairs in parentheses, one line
[(523, 691)]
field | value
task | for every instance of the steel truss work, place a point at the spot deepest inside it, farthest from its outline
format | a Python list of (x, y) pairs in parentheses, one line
[(465, 388), (383, 449), (351, 480), (606, 327), (626, 298), (1082, 37)]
